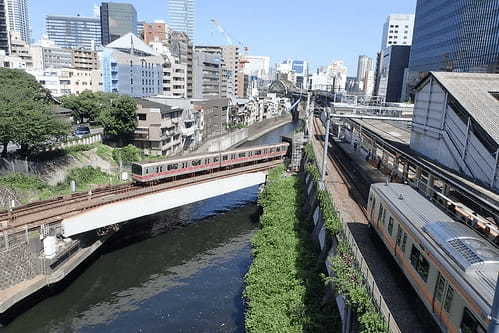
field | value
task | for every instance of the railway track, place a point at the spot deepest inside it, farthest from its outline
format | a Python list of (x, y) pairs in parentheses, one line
[(348, 173), (51, 211)]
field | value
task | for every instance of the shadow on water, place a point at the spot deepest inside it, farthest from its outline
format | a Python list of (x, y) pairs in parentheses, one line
[(321, 312)]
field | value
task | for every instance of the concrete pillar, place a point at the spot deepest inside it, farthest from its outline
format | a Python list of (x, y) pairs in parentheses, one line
[(405, 172), (430, 185), (446, 189)]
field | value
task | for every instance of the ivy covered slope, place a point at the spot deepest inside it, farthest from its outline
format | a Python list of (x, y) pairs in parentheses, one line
[(284, 290)]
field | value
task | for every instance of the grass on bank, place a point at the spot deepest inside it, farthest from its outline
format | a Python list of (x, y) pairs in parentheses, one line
[(33, 188), (284, 290)]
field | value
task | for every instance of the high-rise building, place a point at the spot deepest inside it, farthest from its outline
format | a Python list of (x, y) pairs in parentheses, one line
[(47, 55), (18, 19), (181, 16), (74, 32), (117, 19), (154, 32), (366, 75), (257, 66), (4, 34), (398, 30), (394, 62), (459, 36)]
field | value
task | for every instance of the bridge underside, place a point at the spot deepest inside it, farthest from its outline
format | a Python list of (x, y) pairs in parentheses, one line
[(157, 202)]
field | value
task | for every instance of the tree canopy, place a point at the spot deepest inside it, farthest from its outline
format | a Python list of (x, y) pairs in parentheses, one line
[(26, 117), (115, 113)]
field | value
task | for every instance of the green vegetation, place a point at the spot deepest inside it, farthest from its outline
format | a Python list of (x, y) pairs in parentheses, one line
[(347, 278), (284, 290), (34, 188), (116, 113), (26, 117), (349, 282), (127, 155), (105, 152)]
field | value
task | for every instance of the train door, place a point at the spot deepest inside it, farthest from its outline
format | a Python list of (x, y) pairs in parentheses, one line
[(442, 298)]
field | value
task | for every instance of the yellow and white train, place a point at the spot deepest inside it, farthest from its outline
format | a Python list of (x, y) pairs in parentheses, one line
[(452, 268)]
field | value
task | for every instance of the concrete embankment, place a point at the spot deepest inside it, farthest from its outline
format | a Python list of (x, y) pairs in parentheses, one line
[(238, 137)]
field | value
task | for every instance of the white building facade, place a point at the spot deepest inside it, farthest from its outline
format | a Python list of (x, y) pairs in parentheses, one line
[(130, 67), (398, 30)]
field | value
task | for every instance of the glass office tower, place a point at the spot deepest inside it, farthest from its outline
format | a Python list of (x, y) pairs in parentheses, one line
[(181, 16), (4, 39), (456, 35), (117, 19), (73, 32)]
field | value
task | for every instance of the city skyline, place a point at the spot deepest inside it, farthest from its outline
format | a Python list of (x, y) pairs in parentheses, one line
[(318, 49)]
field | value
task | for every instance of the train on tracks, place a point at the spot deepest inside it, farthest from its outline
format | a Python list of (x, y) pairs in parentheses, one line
[(453, 269), (167, 170)]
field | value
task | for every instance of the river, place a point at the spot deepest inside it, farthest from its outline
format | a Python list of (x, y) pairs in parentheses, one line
[(177, 271)]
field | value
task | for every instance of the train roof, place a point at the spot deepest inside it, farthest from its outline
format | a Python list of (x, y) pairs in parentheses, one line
[(471, 257), (190, 157)]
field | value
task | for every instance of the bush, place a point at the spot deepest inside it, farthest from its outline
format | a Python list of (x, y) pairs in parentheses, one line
[(127, 155), (284, 291), (23, 182), (88, 176)]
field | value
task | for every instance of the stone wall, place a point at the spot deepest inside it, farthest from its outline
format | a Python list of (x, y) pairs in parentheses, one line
[(16, 264)]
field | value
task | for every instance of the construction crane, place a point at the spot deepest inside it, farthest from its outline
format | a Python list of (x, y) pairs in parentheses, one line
[(230, 40)]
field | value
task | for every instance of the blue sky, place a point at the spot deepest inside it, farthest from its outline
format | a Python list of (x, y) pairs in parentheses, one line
[(318, 31)]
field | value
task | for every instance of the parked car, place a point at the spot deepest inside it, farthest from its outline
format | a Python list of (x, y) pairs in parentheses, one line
[(81, 131)]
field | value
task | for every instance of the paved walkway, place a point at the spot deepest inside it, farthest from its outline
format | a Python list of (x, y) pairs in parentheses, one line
[(405, 305)]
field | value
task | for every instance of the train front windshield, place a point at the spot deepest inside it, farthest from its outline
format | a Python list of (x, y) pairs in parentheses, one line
[(136, 169)]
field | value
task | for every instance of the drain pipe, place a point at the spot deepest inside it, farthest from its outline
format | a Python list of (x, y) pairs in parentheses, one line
[(494, 312)]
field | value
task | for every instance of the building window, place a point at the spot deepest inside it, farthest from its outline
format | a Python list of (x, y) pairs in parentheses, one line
[(142, 116), (420, 264), (404, 242), (399, 235)]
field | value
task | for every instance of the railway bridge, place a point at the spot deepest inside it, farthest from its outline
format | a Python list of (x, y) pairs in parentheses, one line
[(41, 243)]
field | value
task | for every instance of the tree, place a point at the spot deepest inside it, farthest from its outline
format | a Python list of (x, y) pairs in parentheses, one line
[(87, 105), (119, 119), (25, 114)]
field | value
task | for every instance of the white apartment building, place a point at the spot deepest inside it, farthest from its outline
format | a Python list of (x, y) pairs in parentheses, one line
[(398, 30), (333, 77), (66, 81), (12, 62)]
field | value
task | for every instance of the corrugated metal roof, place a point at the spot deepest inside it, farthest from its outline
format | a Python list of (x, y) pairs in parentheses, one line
[(474, 92)]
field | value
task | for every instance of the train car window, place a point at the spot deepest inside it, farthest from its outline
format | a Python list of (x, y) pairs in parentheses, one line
[(390, 226), (250, 153), (404, 242), (196, 162), (242, 155), (157, 169), (207, 161), (271, 150), (184, 165), (232, 156), (216, 159), (147, 171), (449, 296), (278, 149), (258, 152), (399, 235), (439, 287), (419, 263), (226, 157), (470, 324), (173, 166), (380, 213)]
